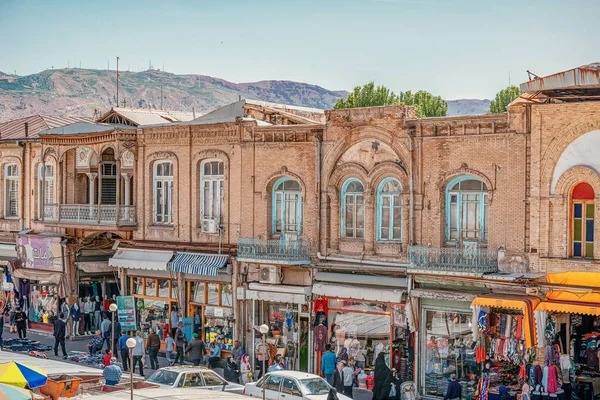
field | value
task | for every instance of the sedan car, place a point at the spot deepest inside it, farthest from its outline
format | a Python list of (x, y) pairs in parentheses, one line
[(192, 377), (291, 385)]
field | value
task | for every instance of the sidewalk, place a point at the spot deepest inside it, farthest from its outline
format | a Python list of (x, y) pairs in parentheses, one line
[(76, 345)]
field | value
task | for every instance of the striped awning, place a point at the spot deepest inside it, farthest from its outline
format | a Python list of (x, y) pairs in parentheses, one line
[(198, 263)]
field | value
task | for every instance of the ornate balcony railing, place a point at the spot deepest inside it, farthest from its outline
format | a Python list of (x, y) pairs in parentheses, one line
[(293, 252), (86, 214), (473, 259)]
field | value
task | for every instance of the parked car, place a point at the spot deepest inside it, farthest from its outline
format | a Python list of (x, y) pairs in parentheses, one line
[(291, 385), (191, 377)]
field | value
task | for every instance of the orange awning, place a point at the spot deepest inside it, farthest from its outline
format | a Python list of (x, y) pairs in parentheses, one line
[(524, 303), (570, 307)]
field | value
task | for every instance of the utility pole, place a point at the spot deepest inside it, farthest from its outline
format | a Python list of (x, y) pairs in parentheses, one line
[(117, 81)]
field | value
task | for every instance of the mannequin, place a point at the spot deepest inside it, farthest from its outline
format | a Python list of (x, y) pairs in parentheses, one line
[(97, 310), (88, 312), (34, 297), (75, 315)]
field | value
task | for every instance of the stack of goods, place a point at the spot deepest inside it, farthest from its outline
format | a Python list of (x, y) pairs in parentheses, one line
[(25, 345), (436, 384), (94, 360)]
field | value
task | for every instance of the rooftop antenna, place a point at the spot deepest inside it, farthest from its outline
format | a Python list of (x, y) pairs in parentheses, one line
[(117, 81), (532, 76)]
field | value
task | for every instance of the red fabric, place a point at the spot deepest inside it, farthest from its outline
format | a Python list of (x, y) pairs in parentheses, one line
[(106, 304), (552, 380), (370, 382), (583, 191), (106, 360), (321, 305), (519, 328)]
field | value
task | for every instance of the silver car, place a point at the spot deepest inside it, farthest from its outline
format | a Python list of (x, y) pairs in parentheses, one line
[(192, 377), (291, 385)]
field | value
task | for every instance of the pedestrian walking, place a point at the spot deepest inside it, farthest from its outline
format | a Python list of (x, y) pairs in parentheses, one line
[(195, 350), (169, 347), (117, 330), (105, 328), (60, 333), (337, 378), (138, 353), (245, 370), (124, 350), (328, 363), (152, 348), (174, 322), (179, 342), (21, 322)]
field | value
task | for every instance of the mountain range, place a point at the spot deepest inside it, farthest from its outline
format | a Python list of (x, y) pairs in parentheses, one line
[(89, 93)]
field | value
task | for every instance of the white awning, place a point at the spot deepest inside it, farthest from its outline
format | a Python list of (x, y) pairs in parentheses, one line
[(155, 260), (8, 252), (277, 297), (358, 292), (442, 295)]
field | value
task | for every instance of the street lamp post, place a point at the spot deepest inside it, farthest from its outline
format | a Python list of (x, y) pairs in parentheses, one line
[(130, 343), (113, 308), (264, 329)]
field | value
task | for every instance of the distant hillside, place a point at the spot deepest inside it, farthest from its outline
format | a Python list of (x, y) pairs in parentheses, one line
[(468, 106), (79, 92), (86, 92)]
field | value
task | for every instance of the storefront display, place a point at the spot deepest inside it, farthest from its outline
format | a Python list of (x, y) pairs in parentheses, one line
[(362, 329), (155, 298), (210, 306)]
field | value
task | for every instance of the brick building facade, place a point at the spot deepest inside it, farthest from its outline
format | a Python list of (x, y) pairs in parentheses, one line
[(261, 213)]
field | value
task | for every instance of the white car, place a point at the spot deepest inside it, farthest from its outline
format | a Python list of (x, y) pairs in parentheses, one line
[(291, 385), (192, 377)]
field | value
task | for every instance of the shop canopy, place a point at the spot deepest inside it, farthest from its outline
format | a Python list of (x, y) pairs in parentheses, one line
[(526, 304), (577, 298), (7, 252), (154, 260), (358, 292), (198, 263)]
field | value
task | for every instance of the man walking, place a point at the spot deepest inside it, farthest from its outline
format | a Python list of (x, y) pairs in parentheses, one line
[(349, 374), (328, 363), (117, 330), (138, 353), (105, 327), (174, 322), (179, 342), (21, 321), (124, 350), (195, 350), (153, 348), (60, 333)]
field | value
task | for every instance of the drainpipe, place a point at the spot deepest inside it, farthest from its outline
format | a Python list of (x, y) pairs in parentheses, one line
[(361, 262), (22, 183), (412, 197), (318, 196)]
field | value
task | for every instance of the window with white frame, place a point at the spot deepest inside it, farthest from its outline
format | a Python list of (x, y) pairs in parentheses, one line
[(11, 179), (163, 192), (353, 209), (389, 210), (46, 185), (287, 207), (466, 210), (212, 179)]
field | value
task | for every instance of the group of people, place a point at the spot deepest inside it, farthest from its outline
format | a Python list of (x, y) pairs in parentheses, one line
[(343, 373)]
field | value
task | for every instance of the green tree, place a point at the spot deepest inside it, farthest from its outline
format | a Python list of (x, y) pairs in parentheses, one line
[(503, 99), (427, 104), (368, 96)]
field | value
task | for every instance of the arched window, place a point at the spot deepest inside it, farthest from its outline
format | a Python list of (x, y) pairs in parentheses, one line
[(353, 209), (389, 210), (466, 210), (287, 207), (582, 221), (46, 186), (212, 178), (163, 192), (11, 199)]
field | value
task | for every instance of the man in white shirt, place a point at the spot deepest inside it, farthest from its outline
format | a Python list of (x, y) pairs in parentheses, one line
[(174, 321)]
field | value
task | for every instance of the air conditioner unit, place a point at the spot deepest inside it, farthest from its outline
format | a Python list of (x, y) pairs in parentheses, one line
[(209, 226), (270, 274)]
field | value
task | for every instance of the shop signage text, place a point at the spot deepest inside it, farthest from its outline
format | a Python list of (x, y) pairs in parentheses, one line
[(40, 252)]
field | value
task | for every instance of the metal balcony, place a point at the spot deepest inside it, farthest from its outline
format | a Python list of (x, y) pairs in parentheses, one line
[(86, 214), (290, 252), (470, 260)]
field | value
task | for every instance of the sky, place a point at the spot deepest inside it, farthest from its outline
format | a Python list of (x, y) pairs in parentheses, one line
[(452, 48)]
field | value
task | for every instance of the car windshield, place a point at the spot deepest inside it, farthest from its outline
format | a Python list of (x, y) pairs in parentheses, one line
[(163, 377), (314, 386)]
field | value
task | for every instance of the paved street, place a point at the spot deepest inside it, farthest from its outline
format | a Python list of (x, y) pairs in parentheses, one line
[(71, 345)]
